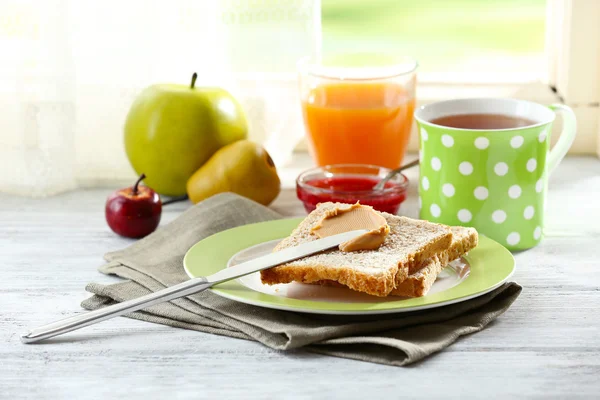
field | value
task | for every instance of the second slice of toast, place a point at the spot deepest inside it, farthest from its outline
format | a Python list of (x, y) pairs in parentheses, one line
[(409, 243), (417, 284)]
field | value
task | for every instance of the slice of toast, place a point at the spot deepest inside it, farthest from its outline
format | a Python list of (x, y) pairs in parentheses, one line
[(418, 283), (370, 271)]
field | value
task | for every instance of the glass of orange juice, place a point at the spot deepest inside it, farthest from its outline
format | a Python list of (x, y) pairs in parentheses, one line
[(358, 108)]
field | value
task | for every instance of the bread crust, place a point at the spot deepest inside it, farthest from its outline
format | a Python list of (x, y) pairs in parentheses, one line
[(462, 240), (361, 282), (419, 283)]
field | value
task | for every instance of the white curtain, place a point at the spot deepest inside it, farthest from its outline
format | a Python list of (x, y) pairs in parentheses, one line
[(70, 69)]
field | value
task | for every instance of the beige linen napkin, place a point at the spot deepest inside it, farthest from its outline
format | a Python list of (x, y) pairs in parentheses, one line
[(155, 262)]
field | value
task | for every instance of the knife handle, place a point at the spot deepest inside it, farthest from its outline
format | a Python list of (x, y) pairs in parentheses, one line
[(93, 317)]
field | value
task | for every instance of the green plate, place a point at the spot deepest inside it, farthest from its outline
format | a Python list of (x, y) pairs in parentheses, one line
[(482, 270)]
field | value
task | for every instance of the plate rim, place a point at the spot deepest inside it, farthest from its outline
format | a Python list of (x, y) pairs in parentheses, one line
[(326, 311)]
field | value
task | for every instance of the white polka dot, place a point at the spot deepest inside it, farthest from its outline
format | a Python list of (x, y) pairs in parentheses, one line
[(480, 193), (513, 238), (537, 233), (447, 140), (420, 154), (436, 164), (529, 212), (501, 169), (465, 168), (531, 165), (539, 185), (542, 136), (435, 210), (482, 143), (425, 183), (498, 216), (464, 215), (516, 142), (448, 189), (424, 135), (514, 192)]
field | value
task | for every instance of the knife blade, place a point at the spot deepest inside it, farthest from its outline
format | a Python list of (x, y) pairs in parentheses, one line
[(187, 288), (283, 256)]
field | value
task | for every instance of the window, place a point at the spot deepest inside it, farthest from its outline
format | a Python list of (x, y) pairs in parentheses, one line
[(541, 50), (445, 36), (573, 59)]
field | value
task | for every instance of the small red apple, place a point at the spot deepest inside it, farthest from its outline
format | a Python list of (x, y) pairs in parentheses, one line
[(133, 212)]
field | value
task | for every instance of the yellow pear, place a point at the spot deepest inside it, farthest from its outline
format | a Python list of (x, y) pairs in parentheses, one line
[(242, 167)]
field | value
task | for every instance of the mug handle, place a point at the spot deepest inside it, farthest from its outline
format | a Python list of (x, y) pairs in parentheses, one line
[(566, 138)]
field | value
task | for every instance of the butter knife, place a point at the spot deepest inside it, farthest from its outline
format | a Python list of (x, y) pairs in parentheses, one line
[(187, 288)]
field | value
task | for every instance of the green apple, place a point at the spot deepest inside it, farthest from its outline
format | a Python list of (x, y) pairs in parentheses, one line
[(172, 130)]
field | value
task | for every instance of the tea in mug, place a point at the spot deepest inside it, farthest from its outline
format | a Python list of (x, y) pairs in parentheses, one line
[(482, 121)]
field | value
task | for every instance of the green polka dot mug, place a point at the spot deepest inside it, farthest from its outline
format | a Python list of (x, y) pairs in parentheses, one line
[(492, 179)]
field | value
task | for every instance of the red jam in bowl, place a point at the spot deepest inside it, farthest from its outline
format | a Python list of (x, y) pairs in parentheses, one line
[(349, 183)]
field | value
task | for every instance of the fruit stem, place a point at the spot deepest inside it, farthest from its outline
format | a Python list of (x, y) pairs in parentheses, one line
[(194, 77), (135, 187)]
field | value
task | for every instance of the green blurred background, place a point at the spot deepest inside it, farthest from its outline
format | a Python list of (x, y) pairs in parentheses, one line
[(444, 35)]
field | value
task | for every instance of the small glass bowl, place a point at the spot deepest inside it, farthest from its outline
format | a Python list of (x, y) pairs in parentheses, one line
[(349, 183)]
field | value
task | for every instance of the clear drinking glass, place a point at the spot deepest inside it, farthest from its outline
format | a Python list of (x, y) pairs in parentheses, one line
[(358, 108), (262, 42)]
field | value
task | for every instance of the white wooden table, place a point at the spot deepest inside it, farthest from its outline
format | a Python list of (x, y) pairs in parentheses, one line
[(547, 344)]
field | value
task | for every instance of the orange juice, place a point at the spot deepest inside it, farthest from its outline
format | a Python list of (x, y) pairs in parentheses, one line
[(359, 122)]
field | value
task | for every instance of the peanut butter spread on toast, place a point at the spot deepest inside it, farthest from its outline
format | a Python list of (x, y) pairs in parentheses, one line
[(344, 218)]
